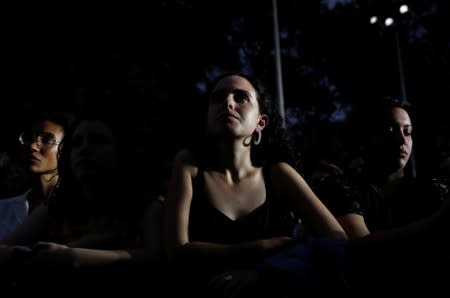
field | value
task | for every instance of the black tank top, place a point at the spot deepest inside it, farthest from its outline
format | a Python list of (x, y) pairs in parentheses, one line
[(206, 223)]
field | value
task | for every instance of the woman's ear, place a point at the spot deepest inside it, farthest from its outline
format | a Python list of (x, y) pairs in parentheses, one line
[(262, 122)]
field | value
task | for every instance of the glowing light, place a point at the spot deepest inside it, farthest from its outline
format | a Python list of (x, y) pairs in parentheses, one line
[(404, 9), (388, 22)]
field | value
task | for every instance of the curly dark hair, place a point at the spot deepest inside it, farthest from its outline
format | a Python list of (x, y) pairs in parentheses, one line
[(276, 144)]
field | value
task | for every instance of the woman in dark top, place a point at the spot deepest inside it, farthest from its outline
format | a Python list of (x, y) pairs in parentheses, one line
[(389, 207), (227, 195), (221, 201), (99, 223), (386, 192), (207, 223)]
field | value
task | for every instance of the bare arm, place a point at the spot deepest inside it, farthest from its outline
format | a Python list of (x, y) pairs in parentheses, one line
[(53, 255), (83, 257), (354, 225), (88, 250), (85, 254), (177, 219), (431, 231), (290, 184)]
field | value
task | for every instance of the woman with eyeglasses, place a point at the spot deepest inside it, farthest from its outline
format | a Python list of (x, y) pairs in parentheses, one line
[(40, 145), (101, 221)]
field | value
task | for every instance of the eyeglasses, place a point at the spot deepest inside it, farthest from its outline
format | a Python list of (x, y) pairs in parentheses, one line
[(42, 138)]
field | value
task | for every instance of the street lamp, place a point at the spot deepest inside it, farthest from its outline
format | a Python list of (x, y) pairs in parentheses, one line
[(276, 34), (390, 22)]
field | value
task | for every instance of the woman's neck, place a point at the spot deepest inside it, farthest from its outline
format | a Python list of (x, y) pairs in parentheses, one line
[(233, 158), (48, 183), (387, 177), (395, 176)]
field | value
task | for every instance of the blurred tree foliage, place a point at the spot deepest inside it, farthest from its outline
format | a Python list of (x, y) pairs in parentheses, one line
[(159, 57)]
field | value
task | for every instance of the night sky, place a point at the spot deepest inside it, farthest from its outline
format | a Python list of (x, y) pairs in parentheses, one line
[(153, 59)]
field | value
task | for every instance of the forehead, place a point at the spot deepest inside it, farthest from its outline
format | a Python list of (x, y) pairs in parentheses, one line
[(399, 115), (234, 82), (48, 127)]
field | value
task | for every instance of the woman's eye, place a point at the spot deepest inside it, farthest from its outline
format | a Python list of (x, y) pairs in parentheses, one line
[(241, 96), (407, 132), (48, 139)]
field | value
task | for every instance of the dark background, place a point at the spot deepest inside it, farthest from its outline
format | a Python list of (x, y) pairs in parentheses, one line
[(156, 59)]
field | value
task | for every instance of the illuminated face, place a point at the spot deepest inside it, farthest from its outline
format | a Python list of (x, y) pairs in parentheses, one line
[(43, 141), (233, 108)]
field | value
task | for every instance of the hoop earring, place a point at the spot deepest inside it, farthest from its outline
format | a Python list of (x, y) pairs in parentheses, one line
[(257, 138)]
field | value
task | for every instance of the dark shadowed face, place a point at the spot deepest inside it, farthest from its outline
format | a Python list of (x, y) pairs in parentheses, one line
[(94, 151), (392, 142)]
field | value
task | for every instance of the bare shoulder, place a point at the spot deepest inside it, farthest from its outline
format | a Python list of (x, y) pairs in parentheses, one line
[(185, 156), (283, 174), (282, 169), (185, 160)]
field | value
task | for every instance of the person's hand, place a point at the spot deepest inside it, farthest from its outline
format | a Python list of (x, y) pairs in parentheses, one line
[(48, 247), (232, 283), (275, 243), (50, 256)]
